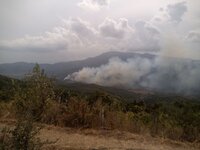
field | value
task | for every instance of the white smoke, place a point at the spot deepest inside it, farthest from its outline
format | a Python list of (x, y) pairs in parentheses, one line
[(174, 75), (161, 74), (115, 73)]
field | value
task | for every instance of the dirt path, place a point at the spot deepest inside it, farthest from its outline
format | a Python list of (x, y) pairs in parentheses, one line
[(71, 139)]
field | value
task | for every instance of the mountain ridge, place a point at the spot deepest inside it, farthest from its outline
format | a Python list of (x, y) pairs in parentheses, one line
[(61, 69)]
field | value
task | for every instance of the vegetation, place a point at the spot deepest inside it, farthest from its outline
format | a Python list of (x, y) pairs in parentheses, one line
[(37, 99), (29, 102), (7, 87)]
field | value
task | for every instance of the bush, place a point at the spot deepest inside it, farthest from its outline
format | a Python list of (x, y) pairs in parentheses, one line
[(24, 136), (55, 113)]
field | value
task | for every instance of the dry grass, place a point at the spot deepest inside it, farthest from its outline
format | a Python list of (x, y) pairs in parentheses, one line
[(90, 139), (107, 140)]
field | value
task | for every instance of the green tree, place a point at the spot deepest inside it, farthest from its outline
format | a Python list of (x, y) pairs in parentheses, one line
[(33, 98), (31, 101)]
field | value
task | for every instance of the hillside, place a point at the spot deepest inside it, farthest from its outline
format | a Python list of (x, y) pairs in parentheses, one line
[(62, 69), (128, 95), (146, 72), (108, 112)]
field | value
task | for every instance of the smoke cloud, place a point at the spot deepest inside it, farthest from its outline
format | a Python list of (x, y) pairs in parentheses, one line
[(164, 74), (115, 73)]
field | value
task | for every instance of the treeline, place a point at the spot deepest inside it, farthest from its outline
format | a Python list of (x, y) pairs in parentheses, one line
[(37, 99)]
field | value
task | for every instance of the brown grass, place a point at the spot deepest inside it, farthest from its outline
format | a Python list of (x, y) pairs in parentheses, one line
[(90, 139)]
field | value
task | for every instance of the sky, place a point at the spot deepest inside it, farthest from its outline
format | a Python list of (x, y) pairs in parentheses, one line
[(49, 31)]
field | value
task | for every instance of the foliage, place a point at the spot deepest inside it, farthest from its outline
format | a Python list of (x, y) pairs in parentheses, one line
[(24, 136), (7, 88), (39, 100), (32, 99)]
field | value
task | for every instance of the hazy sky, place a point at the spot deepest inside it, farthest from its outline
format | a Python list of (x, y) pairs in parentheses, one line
[(49, 31)]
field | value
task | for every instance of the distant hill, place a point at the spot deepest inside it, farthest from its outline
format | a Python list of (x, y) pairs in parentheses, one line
[(62, 69)]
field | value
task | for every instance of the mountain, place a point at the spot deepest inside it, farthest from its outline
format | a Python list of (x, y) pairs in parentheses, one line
[(171, 75), (62, 69)]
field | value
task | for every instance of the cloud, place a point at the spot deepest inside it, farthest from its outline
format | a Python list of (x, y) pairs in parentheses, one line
[(80, 27), (113, 29), (194, 36), (72, 34), (122, 36), (48, 42), (83, 30), (93, 4), (148, 36), (157, 19), (176, 11), (146, 29), (78, 38)]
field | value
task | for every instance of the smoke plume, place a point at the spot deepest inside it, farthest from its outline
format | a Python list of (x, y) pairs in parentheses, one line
[(115, 73), (164, 74)]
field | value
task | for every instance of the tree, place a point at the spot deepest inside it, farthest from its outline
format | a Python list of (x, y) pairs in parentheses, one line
[(32, 99)]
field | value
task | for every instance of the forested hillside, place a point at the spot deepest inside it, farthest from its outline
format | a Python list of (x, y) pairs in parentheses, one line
[(40, 99)]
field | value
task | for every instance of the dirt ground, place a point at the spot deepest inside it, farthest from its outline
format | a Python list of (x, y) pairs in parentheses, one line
[(89, 139)]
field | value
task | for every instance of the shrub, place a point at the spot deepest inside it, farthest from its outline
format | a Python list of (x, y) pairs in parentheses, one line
[(24, 136)]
